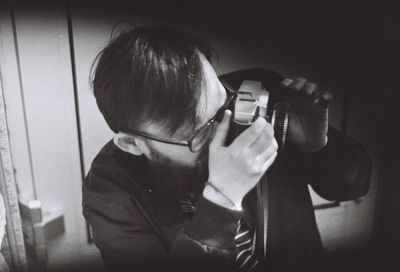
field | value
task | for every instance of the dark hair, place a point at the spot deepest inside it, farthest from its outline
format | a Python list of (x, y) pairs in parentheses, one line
[(150, 73)]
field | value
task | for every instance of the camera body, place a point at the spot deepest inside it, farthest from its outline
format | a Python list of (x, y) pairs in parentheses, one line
[(253, 101)]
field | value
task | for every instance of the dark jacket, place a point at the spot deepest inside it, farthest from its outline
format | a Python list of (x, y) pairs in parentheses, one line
[(140, 228)]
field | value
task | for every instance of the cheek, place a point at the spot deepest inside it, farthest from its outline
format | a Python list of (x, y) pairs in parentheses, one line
[(179, 154)]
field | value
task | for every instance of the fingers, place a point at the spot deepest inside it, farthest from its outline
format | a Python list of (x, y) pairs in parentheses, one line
[(258, 146), (221, 130), (265, 146), (286, 82), (295, 85), (268, 150), (301, 84), (265, 140), (251, 134), (309, 90), (270, 160)]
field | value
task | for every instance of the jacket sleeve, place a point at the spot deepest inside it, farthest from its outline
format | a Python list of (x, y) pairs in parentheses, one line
[(128, 243), (340, 171)]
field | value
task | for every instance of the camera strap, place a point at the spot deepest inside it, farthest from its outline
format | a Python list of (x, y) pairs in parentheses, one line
[(262, 218)]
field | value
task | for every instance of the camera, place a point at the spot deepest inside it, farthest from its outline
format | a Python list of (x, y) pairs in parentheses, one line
[(252, 101)]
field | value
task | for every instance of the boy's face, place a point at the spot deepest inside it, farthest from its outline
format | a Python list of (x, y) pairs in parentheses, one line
[(212, 97)]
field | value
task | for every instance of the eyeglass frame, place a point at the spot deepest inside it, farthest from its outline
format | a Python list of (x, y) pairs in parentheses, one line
[(231, 92)]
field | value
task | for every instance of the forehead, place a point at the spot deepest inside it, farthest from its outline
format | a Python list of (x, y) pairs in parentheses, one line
[(212, 97)]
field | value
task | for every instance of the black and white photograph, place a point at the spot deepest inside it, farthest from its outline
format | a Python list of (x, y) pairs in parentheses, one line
[(199, 135)]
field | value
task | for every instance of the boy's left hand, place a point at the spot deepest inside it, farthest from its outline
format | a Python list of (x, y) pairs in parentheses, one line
[(308, 125)]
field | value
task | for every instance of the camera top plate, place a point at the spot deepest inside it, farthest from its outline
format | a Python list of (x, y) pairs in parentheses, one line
[(251, 102)]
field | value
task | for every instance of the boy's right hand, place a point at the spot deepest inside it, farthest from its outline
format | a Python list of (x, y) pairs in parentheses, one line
[(235, 169)]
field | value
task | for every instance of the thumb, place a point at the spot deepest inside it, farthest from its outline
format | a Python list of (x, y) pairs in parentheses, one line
[(221, 130)]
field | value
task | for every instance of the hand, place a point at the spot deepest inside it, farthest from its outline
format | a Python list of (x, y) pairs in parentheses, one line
[(235, 169), (309, 108)]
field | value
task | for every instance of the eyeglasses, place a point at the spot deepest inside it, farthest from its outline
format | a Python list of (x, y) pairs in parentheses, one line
[(202, 135)]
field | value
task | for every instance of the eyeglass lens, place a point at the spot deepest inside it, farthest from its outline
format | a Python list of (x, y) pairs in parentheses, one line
[(201, 138)]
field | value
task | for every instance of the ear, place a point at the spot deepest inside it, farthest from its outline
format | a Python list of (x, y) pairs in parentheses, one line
[(128, 143)]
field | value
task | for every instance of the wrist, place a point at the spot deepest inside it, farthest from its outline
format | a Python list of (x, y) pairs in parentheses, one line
[(214, 195)]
